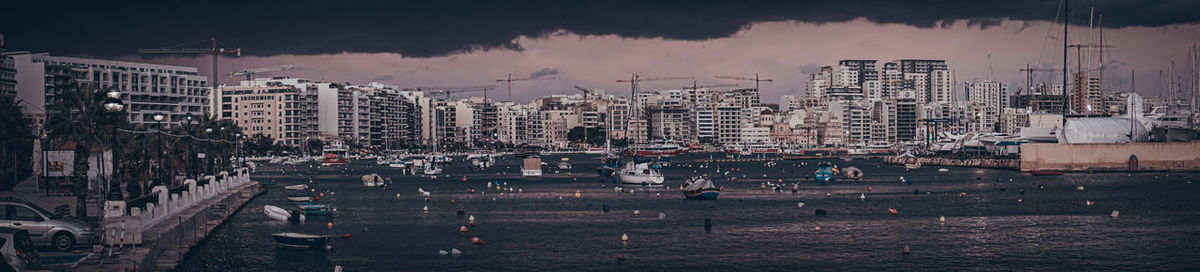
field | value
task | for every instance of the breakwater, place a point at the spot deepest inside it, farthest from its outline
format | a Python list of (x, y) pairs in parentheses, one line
[(1011, 164)]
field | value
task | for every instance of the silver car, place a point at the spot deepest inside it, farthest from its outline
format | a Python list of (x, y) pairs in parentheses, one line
[(17, 249), (44, 227)]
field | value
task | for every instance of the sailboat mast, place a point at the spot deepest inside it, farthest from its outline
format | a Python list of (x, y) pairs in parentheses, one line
[(1066, 101)]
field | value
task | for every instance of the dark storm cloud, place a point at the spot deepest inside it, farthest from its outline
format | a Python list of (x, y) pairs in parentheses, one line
[(544, 72), (439, 28)]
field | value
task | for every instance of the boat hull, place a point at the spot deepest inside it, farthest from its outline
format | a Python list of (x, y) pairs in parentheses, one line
[(300, 198), (292, 240), (642, 180), (333, 161), (702, 194), (531, 173)]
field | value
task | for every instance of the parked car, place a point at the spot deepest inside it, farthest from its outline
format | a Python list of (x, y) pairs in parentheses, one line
[(18, 250), (44, 227)]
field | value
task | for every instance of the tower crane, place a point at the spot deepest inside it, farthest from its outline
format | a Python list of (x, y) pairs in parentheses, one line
[(510, 80), (447, 90), (1029, 76), (249, 72), (214, 50), (696, 85), (756, 79)]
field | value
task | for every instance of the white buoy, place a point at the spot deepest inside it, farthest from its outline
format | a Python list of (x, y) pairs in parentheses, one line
[(662, 216), (624, 237), (1114, 214), (455, 251), (471, 218), (1080, 187), (425, 209), (800, 205), (637, 212), (942, 219), (862, 196)]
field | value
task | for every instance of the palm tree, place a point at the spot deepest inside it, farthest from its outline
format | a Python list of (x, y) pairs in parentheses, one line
[(15, 137), (78, 121)]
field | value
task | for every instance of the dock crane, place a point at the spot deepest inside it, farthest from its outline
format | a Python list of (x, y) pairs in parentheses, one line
[(214, 50), (510, 80), (756, 79), (249, 72)]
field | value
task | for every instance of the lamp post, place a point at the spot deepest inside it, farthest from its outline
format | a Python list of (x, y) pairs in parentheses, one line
[(208, 148), (114, 106), (188, 130), (237, 149), (158, 122)]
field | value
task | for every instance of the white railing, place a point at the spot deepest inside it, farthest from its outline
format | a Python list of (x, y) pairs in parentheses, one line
[(140, 219)]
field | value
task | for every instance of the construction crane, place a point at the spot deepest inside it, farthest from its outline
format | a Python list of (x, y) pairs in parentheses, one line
[(696, 86), (756, 79), (1029, 76), (249, 72), (214, 50), (447, 90), (510, 80)]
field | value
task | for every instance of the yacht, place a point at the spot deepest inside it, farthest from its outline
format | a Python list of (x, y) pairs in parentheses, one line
[(640, 173)]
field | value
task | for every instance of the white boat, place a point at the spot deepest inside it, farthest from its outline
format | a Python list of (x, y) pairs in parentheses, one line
[(299, 198), (281, 214), (300, 240), (296, 187), (433, 169), (640, 173), (912, 166), (564, 166), (531, 167), (372, 180)]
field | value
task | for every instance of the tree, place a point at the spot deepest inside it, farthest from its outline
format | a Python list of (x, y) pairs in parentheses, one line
[(315, 146), (78, 121), (595, 136), (16, 136)]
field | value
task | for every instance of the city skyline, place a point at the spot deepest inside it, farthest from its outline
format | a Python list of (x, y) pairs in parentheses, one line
[(777, 45)]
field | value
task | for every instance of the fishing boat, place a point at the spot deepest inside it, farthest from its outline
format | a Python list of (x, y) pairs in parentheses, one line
[(825, 172), (1045, 173), (296, 187), (300, 198), (301, 240), (640, 173), (700, 188), (336, 153), (531, 167)]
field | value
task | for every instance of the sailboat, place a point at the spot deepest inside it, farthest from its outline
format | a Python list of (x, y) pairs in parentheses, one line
[(700, 188), (640, 173)]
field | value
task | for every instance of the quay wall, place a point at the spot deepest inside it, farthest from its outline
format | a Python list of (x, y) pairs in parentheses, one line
[(1164, 156), (935, 161)]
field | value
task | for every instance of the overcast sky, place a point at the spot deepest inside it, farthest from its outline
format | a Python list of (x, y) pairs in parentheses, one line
[(594, 43)]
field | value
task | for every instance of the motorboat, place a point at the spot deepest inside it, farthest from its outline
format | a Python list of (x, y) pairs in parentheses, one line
[(531, 167), (658, 149), (296, 187), (852, 172), (433, 169), (372, 180), (301, 240), (336, 153), (912, 166), (700, 188), (317, 209), (282, 214), (564, 166), (640, 173), (825, 172)]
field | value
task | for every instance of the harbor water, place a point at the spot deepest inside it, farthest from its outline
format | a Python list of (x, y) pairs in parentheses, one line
[(994, 220)]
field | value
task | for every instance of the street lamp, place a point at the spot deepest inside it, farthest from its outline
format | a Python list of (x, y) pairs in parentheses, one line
[(237, 148), (208, 147), (114, 106), (188, 130), (158, 122)]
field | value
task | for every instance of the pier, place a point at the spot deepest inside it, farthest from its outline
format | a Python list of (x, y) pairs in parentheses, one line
[(1011, 164)]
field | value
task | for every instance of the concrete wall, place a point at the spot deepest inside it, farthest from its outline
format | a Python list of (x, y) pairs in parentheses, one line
[(1179, 156)]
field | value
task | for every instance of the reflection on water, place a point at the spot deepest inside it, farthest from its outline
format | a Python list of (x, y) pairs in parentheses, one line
[(1028, 223)]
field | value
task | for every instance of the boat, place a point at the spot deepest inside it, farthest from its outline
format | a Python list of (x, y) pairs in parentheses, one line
[(296, 187), (852, 172), (595, 150), (531, 167), (372, 180), (700, 188), (300, 240), (943, 170), (317, 210), (282, 214), (639, 173), (658, 149), (825, 172), (564, 166), (1045, 173), (269, 184), (912, 166), (300, 198), (335, 153), (433, 169)]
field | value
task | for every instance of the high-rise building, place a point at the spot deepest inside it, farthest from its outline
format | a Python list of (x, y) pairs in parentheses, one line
[(8, 72), (146, 89), (276, 111), (990, 93)]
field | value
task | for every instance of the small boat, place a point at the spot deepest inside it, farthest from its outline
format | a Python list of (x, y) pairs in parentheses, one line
[(310, 205), (296, 187), (700, 188), (531, 167), (1045, 173), (269, 184), (564, 166), (943, 170), (825, 172), (282, 214), (912, 166), (852, 172), (433, 170), (299, 198), (322, 210), (300, 240), (372, 180), (640, 173)]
